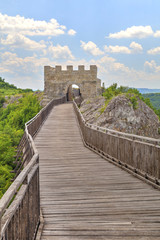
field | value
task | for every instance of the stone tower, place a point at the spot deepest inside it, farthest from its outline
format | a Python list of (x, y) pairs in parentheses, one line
[(58, 81)]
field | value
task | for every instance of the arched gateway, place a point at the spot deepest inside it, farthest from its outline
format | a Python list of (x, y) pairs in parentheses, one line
[(57, 82)]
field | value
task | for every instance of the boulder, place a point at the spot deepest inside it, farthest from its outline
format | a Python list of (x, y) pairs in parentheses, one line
[(121, 115)]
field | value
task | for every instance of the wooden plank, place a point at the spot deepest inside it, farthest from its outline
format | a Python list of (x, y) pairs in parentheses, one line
[(85, 197)]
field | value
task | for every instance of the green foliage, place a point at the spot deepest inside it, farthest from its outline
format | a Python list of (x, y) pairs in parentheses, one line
[(12, 123), (134, 101), (7, 89), (110, 92), (17, 114), (154, 99), (5, 178), (2, 100), (148, 102), (114, 91), (6, 85)]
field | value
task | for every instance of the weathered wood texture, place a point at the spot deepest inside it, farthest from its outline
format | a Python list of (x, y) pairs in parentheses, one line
[(85, 197), (21, 216), (140, 154), (20, 205)]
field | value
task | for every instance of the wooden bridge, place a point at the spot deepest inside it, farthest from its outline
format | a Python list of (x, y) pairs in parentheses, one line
[(94, 183)]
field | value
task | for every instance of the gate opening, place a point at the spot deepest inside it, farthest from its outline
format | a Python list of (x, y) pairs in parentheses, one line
[(73, 92)]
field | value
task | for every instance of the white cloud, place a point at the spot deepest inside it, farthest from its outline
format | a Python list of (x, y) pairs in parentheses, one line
[(110, 65), (4, 70), (134, 48), (91, 48), (71, 32), (154, 51), (20, 41), (152, 66), (29, 26), (133, 32), (157, 34), (26, 66), (110, 71), (60, 52), (117, 49), (10, 59)]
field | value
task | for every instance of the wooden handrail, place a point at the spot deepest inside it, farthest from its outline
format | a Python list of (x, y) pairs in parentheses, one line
[(21, 200), (121, 134), (137, 153)]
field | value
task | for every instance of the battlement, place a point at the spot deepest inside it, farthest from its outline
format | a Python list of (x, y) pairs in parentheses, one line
[(81, 68)]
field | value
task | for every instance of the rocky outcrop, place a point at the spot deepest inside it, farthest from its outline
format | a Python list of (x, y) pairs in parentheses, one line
[(120, 114)]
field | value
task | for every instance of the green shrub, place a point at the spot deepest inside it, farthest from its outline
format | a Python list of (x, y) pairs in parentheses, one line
[(5, 178), (12, 123), (2, 100), (134, 101)]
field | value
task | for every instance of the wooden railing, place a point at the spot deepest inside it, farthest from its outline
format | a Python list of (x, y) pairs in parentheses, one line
[(138, 154), (20, 205)]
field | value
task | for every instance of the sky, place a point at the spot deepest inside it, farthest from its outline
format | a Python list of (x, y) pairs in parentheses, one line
[(121, 37)]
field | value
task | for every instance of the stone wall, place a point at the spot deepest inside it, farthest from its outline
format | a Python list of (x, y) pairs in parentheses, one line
[(57, 81)]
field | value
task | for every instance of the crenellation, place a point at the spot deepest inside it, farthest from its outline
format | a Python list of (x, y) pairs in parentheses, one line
[(70, 68), (58, 68), (93, 69), (58, 81), (46, 69), (81, 68)]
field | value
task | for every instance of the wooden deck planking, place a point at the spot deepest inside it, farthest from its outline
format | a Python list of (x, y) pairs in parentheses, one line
[(85, 197)]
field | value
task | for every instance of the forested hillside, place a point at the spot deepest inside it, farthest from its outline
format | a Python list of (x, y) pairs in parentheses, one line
[(25, 105), (154, 98)]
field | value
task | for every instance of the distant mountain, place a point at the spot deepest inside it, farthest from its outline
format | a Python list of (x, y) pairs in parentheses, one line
[(148, 90)]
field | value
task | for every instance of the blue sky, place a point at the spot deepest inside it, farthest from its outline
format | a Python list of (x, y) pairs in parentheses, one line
[(121, 37)]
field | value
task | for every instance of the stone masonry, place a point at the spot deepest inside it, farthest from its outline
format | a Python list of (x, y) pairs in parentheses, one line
[(57, 82)]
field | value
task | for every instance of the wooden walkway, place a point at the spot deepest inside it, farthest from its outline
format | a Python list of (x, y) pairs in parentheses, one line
[(85, 197)]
